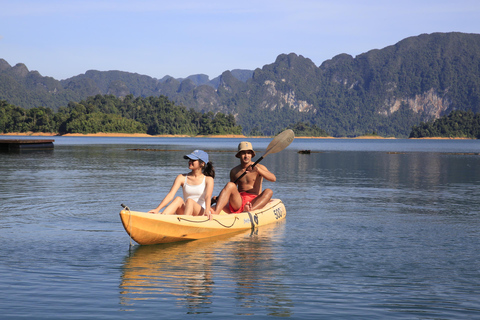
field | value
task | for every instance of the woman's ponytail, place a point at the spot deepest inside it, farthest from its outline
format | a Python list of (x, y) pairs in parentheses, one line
[(208, 170)]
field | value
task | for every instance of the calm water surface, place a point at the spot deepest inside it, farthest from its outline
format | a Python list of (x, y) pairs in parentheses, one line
[(375, 229)]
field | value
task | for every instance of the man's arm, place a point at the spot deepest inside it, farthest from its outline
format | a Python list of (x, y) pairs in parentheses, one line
[(265, 173)]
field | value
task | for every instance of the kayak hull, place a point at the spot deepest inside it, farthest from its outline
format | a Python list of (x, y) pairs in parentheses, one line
[(146, 228)]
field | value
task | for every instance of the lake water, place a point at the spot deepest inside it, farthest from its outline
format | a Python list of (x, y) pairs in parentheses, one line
[(375, 229)]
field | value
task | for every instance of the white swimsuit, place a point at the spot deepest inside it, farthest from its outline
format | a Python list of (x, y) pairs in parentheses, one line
[(195, 192)]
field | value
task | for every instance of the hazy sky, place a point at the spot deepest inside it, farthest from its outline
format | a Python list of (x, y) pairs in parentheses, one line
[(64, 38)]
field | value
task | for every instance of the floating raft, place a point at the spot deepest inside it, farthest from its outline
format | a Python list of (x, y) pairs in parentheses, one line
[(24, 144), (304, 151)]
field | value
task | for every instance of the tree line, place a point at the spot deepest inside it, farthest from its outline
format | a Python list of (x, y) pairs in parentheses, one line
[(158, 115), (457, 124), (109, 114)]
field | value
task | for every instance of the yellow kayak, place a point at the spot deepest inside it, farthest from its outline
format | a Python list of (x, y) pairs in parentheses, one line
[(146, 228)]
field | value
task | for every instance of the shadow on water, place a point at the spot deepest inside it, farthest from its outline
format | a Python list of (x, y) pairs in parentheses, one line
[(198, 273)]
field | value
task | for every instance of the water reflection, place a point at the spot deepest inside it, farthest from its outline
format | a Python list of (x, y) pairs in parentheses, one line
[(182, 270), (242, 265), (408, 169)]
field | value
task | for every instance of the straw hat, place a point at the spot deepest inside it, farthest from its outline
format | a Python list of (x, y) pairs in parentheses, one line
[(244, 146)]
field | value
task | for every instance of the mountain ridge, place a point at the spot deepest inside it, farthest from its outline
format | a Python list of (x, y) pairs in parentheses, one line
[(386, 90)]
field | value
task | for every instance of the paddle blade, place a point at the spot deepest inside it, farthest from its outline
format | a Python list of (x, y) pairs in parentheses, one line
[(280, 142)]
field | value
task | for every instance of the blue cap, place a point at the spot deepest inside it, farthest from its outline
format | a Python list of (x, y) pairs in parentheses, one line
[(197, 155)]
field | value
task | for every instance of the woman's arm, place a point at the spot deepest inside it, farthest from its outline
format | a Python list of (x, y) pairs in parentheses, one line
[(169, 197), (209, 183)]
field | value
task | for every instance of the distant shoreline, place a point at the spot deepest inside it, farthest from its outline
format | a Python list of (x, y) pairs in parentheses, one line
[(144, 135)]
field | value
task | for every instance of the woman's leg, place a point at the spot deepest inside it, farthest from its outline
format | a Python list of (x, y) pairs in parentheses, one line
[(177, 206), (193, 209)]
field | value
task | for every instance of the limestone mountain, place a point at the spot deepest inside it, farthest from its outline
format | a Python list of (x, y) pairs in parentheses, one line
[(386, 91)]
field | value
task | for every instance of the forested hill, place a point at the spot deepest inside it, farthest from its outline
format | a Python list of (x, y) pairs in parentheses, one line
[(458, 124), (387, 91)]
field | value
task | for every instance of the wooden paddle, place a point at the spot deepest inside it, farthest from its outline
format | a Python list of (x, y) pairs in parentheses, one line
[(280, 142)]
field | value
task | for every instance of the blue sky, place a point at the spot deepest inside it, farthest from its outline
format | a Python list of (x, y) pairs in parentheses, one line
[(64, 38)]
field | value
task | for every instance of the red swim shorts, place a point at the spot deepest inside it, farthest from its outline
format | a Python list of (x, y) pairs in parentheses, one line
[(246, 197)]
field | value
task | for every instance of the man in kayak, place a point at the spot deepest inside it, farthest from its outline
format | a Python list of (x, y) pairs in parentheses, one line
[(245, 194)]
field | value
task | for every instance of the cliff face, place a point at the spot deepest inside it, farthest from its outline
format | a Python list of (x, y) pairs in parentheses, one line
[(274, 99), (430, 104)]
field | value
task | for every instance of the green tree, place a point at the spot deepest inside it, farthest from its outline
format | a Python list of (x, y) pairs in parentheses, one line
[(460, 124)]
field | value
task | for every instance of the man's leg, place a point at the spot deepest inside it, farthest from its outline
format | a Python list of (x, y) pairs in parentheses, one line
[(229, 194), (260, 201)]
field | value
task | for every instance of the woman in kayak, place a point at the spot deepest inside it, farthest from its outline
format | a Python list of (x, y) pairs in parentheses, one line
[(197, 188)]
